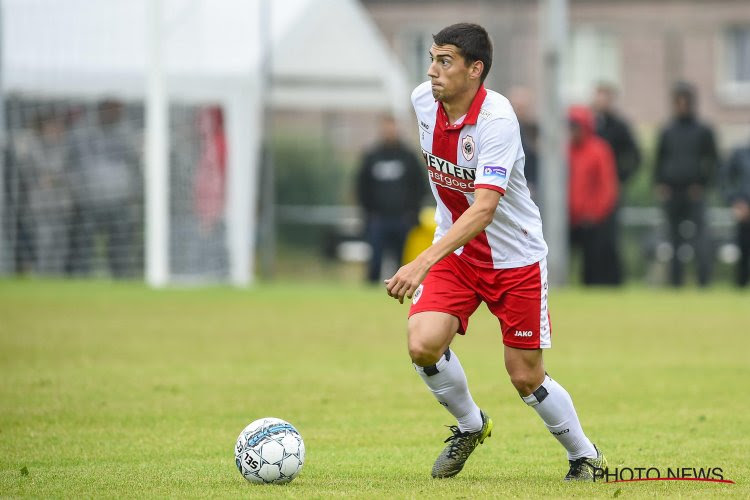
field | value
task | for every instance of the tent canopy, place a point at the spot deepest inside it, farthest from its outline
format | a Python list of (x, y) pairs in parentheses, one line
[(323, 53)]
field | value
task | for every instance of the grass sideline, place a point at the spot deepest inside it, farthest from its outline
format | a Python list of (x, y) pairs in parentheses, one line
[(115, 390)]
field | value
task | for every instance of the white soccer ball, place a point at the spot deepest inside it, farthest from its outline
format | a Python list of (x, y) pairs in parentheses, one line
[(269, 450)]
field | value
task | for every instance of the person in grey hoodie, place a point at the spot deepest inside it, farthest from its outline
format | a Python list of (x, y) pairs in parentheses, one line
[(107, 190), (50, 199)]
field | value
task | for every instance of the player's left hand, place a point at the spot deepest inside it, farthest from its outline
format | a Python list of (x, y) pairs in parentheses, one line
[(406, 280)]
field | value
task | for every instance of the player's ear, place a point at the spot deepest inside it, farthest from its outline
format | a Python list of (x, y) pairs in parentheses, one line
[(475, 70)]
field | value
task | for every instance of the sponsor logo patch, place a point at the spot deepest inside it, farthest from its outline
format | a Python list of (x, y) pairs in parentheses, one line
[(446, 174), (496, 171)]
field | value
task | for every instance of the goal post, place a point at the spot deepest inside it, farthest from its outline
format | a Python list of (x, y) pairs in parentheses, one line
[(244, 132), (156, 176)]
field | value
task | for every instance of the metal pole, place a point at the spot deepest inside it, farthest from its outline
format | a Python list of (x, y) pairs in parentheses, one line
[(553, 128), (157, 154), (5, 251), (267, 226)]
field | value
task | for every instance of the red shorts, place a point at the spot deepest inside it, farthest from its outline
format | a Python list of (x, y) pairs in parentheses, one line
[(517, 297)]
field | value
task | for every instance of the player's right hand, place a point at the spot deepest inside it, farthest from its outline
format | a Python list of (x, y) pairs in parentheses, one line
[(406, 280)]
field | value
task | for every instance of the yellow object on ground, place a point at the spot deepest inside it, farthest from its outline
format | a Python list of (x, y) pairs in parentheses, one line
[(420, 237)]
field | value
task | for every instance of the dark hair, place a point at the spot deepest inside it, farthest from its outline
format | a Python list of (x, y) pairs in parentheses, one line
[(684, 89), (473, 43)]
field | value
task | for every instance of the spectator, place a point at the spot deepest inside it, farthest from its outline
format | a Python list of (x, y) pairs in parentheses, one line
[(18, 179), (614, 129), (390, 188), (737, 185), (521, 99), (686, 164), (50, 200), (210, 175), (107, 192), (592, 194)]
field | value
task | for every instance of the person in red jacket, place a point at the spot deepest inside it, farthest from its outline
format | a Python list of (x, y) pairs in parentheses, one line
[(592, 196)]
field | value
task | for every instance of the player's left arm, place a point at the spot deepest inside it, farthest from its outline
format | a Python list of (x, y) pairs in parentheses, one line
[(473, 221)]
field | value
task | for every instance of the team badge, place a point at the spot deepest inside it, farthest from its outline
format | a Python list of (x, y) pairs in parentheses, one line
[(417, 294), (467, 147)]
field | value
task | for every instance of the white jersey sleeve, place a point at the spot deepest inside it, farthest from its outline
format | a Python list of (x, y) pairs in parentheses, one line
[(501, 141)]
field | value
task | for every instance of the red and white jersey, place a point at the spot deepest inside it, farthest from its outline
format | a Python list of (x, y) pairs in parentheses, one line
[(481, 150)]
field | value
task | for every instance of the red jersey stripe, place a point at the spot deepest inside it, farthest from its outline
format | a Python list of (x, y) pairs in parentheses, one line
[(490, 186), (445, 145)]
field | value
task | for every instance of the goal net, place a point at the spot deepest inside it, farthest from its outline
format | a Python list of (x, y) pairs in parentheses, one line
[(74, 201), (73, 174)]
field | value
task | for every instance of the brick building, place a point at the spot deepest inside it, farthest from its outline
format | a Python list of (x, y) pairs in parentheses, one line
[(641, 46)]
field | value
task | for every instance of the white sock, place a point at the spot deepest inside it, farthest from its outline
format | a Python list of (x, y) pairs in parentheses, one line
[(552, 402), (447, 381)]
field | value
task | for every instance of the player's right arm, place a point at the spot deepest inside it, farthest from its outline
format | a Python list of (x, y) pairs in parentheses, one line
[(498, 143), (472, 222)]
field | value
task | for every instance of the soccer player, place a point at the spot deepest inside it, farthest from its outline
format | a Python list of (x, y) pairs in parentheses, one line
[(488, 247)]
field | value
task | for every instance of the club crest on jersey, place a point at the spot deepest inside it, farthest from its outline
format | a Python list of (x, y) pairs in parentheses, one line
[(467, 147), (495, 171)]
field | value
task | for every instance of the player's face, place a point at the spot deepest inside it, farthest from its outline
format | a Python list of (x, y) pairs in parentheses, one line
[(450, 74)]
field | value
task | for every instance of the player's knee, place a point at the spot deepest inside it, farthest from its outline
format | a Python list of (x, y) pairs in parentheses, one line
[(525, 381), (422, 354), (421, 351)]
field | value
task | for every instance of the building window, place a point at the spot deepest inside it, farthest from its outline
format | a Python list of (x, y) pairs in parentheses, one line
[(593, 56), (734, 82)]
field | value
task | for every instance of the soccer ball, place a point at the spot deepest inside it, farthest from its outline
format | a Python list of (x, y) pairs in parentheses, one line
[(269, 450)]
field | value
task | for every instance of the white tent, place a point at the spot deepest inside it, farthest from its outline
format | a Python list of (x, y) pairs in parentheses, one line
[(325, 54)]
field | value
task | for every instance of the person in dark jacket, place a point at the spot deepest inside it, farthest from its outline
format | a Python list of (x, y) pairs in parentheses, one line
[(737, 186), (686, 165), (521, 100), (390, 188), (592, 194), (614, 129)]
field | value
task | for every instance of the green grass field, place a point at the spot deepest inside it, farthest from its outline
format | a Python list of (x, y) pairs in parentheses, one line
[(114, 390)]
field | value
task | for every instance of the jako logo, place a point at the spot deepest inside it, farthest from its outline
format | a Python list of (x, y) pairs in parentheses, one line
[(565, 431), (523, 333)]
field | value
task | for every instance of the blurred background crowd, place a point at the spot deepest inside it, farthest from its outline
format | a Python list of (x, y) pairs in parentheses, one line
[(658, 157)]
